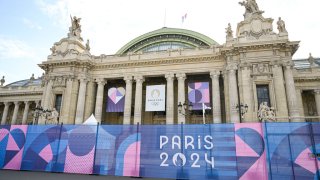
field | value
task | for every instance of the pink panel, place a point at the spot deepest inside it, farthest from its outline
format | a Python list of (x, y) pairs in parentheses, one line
[(306, 162), (79, 164), (205, 96), (197, 85), (254, 126), (46, 153), (132, 160), (243, 149), (3, 133), (12, 145), (257, 171), (23, 128), (15, 162)]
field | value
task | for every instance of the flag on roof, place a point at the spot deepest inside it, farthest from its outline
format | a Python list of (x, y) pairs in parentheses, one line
[(184, 17)]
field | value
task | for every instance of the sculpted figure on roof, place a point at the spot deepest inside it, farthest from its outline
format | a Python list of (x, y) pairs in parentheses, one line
[(251, 7), (75, 28)]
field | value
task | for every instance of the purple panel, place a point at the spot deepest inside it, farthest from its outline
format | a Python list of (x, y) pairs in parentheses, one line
[(115, 99), (198, 93)]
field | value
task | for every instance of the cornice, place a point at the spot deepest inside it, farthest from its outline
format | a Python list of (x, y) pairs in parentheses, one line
[(151, 62), (23, 93), (306, 79)]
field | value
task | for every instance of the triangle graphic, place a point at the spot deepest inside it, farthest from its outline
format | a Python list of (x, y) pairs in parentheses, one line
[(9, 156), (3, 133), (46, 153), (243, 149), (12, 145), (244, 163), (15, 162)]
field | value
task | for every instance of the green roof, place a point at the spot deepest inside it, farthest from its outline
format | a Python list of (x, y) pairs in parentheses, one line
[(191, 38)]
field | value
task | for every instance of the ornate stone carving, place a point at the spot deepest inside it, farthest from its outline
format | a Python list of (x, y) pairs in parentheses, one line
[(75, 28), (229, 32), (251, 7), (53, 117), (2, 81), (261, 68), (281, 26), (311, 60), (266, 113), (59, 81)]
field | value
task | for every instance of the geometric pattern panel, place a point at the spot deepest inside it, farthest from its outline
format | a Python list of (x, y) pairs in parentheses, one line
[(210, 151), (198, 94)]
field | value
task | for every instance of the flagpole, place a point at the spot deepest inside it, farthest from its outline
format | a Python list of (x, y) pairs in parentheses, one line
[(165, 17), (203, 114)]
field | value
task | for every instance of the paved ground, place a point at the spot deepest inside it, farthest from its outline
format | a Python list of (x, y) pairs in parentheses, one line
[(28, 175)]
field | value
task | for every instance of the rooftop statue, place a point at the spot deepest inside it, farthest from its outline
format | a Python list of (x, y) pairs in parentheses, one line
[(229, 31), (75, 28), (2, 81), (281, 26), (251, 7)]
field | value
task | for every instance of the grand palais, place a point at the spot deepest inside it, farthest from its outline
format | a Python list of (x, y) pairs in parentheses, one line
[(172, 76)]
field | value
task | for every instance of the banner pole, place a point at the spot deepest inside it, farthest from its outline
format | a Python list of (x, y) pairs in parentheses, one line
[(265, 132), (135, 159), (314, 152), (95, 150), (56, 161)]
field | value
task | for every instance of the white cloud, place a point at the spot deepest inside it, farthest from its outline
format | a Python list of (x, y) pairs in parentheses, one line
[(12, 48), (31, 24), (111, 24)]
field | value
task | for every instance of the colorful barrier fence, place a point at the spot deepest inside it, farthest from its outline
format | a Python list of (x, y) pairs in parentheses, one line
[(216, 151)]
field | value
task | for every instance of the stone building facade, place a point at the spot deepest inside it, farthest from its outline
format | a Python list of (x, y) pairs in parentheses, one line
[(254, 66)]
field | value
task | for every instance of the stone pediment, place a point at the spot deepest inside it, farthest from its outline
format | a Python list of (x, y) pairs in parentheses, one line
[(256, 28)]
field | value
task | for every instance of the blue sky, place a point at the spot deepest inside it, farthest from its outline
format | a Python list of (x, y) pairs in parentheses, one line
[(29, 28)]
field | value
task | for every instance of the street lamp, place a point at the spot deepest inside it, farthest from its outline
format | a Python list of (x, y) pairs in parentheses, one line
[(185, 109), (243, 109), (39, 111)]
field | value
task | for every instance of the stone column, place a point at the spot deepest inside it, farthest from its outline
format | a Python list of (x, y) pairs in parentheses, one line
[(247, 93), (34, 118), (170, 99), (127, 100), (280, 93), (5, 112), (15, 112), (99, 99), (233, 94), (138, 99), (181, 95), (317, 98), (291, 93), (48, 96), (25, 112), (90, 99), (65, 111), (216, 105), (81, 101)]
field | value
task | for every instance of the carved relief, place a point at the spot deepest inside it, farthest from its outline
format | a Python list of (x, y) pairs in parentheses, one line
[(261, 69), (59, 82)]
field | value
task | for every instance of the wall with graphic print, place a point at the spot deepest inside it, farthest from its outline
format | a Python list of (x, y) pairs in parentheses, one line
[(211, 151)]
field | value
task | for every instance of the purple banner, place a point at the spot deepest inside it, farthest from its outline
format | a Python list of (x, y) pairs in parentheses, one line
[(115, 99), (198, 93)]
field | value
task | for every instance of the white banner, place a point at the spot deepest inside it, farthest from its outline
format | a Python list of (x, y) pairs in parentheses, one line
[(156, 98)]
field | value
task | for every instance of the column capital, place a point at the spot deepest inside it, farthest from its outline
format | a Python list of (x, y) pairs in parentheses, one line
[(101, 81), (16, 103), (139, 78), (214, 74), (181, 76), (127, 78), (169, 76), (232, 67), (7, 103), (288, 65), (70, 78), (27, 103), (83, 80)]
